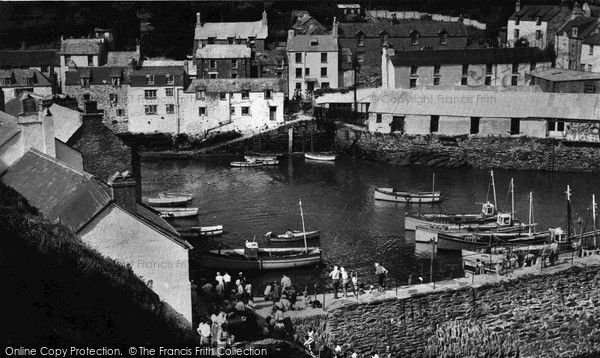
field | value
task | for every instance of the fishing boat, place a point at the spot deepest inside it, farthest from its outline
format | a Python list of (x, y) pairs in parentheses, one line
[(200, 231), (254, 258), (323, 157), (247, 163), (175, 195), (170, 200), (293, 236), (389, 194), (259, 157), (177, 212), (268, 161)]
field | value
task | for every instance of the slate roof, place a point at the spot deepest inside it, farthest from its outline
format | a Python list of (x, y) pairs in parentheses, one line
[(58, 191), (575, 106), (223, 30), (97, 75), (91, 46), (224, 51), (138, 77), (39, 79), (152, 218), (471, 56), (532, 12), (425, 28), (592, 39), (121, 58), (561, 75), (584, 26), (308, 25), (237, 85), (326, 43), (8, 127), (28, 58)]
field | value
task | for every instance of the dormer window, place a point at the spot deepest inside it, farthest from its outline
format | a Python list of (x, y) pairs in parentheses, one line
[(360, 39), (6, 81), (27, 81), (384, 37), (443, 38), (414, 38), (314, 42), (538, 21), (230, 40), (574, 31), (170, 79), (85, 81), (149, 79), (116, 81)]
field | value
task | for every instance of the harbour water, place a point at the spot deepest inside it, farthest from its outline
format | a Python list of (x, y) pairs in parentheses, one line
[(337, 198)]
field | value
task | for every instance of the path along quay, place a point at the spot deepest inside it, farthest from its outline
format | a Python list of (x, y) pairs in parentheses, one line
[(529, 312)]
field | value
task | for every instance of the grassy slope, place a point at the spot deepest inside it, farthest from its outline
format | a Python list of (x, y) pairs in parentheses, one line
[(55, 290)]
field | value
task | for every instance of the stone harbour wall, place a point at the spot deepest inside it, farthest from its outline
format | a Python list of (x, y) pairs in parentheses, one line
[(542, 316), (471, 151)]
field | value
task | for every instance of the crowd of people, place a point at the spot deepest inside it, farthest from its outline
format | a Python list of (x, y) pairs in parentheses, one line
[(344, 281)]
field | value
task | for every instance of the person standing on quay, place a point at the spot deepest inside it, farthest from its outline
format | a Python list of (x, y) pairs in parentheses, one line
[(227, 283), (380, 271), (344, 275), (553, 252), (335, 276)]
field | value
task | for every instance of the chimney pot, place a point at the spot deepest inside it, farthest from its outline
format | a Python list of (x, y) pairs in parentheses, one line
[(198, 19), (90, 107)]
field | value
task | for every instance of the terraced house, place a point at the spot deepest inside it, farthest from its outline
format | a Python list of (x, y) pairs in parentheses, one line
[(14, 82), (252, 34), (223, 61), (45, 61), (75, 53), (536, 25), (569, 41)]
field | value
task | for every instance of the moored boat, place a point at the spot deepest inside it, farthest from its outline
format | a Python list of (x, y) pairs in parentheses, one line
[(248, 163), (175, 195), (324, 157), (201, 231), (293, 236), (177, 212), (389, 194), (254, 258), (169, 200), (260, 157)]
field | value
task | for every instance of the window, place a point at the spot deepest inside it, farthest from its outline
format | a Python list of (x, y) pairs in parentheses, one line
[(200, 95), (324, 57), (443, 39), (86, 97), (169, 92), (589, 68), (538, 21), (314, 42), (464, 81), (234, 75), (514, 80), (116, 81), (279, 74), (298, 57), (538, 34), (6, 81), (211, 40), (268, 94), (323, 71), (212, 64), (298, 85), (251, 41), (280, 64), (90, 59), (324, 84), (515, 68), (556, 126), (515, 126), (414, 38), (516, 33), (234, 63), (151, 109), (245, 111), (298, 73), (45, 69), (202, 111), (120, 112), (67, 60), (27, 81), (379, 118), (212, 76), (475, 125), (488, 80), (465, 70), (532, 66), (436, 70), (230, 40), (414, 70), (150, 94), (397, 124), (85, 81), (434, 124), (360, 57), (413, 83), (170, 79), (114, 99), (360, 40), (574, 31), (223, 96), (307, 71), (436, 81), (572, 51), (517, 20), (170, 108), (589, 87), (384, 38), (149, 79), (591, 50), (245, 94), (489, 68), (232, 111)]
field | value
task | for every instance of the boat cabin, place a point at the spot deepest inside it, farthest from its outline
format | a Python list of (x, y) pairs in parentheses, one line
[(487, 209), (504, 219), (558, 234), (251, 250)]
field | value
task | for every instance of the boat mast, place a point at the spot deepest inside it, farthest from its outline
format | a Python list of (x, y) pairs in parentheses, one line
[(303, 228), (568, 192), (594, 215), (530, 211), (494, 190), (512, 194)]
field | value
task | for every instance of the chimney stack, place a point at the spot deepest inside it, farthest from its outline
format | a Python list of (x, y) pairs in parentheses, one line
[(291, 33), (91, 114), (518, 6), (123, 189), (198, 19), (132, 65), (264, 18), (335, 27), (37, 127), (586, 9)]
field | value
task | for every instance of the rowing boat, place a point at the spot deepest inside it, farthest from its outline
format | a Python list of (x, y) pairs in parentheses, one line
[(177, 212), (293, 236), (389, 194), (325, 157), (202, 231)]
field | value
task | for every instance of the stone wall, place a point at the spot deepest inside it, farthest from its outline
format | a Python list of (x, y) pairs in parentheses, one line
[(474, 151), (547, 316)]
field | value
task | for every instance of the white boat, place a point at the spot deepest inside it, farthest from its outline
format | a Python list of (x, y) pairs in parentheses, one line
[(324, 157), (177, 212), (248, 163), (260, 157), (293, 236), (169, 200), (388, 194), (202, 231), (268, 161), (176, 195)]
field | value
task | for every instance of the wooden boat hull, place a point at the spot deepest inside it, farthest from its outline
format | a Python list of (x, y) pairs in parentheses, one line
[(169, 201), (296, 236), (200, 231), (233, 259), (260, 158), (389, 194), (175, 195), (246, 164), (450, 221), (177, 212), (320, 156)]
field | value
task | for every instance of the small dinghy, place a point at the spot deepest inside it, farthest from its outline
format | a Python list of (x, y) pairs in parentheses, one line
[(200, 231), (177, 212)]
